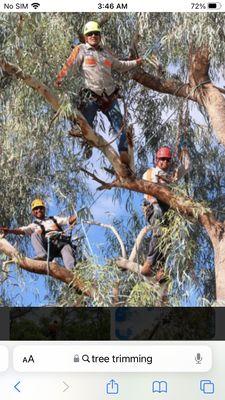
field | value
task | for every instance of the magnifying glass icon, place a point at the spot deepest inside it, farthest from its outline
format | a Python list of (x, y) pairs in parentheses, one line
[(85, 357)]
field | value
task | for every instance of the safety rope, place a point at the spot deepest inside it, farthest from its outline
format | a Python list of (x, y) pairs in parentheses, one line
[(48, 254), (86, 237)]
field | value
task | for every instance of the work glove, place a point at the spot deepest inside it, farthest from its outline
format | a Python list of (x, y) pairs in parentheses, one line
[(58, 84)]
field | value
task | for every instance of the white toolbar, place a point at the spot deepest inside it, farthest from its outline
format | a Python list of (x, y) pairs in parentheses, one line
[(117, 358)]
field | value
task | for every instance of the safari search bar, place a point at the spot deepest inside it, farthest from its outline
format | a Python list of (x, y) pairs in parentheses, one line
[(114, 358)]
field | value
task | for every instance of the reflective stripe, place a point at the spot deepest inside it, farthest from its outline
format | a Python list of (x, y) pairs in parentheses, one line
[(69, 62), (90, 61), (107, 63), (149, 177)]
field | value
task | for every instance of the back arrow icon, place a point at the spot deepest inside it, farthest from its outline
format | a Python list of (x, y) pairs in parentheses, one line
[(67, 386), (15, 386)]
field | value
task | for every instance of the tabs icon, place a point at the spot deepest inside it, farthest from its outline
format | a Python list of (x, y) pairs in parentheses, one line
[(159, 387)]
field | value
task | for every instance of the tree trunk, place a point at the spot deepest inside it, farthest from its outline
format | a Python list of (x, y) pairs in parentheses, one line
[(206, 93), (219, 256)]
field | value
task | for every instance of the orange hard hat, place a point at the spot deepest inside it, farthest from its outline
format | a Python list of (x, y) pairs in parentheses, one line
[(163, 152)]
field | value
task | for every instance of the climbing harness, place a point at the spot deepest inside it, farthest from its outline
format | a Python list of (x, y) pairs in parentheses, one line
[(58, 239)]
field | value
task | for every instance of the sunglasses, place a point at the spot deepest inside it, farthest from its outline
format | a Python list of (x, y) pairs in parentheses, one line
[(164, 159), (93, 33), (38, 208)]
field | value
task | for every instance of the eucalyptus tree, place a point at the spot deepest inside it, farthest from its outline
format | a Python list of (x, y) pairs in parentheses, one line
[(39, 157)]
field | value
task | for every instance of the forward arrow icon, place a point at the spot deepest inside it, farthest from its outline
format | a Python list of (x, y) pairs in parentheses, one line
[(66, 386)]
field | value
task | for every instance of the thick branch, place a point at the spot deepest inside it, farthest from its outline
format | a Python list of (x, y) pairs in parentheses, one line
[(129, 265), (39, 87), (167, 86), (208, 95), (40, 267), (138, 242), (113, 229)]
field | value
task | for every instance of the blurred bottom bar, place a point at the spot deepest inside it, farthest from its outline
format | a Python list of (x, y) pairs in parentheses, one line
[(112, 324)]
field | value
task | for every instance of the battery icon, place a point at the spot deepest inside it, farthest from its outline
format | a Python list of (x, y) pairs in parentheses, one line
[(216, 6)]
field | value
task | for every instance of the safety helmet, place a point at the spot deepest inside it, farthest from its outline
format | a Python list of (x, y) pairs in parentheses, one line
[(91, 26), (163, 152), (37, 203)]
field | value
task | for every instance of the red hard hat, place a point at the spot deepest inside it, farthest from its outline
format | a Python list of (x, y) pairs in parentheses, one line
[(164, 152)]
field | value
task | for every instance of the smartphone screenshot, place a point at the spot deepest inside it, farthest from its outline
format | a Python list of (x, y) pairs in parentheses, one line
[(112, 221)]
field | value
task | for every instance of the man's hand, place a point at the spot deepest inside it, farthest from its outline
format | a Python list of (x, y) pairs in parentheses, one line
[(139, 61), (58, 84)]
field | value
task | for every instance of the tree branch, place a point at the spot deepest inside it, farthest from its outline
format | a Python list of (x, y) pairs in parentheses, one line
[(104, 184), (167, 86), (113, 229), (40, 267), (129, 265), (138, 242), (89, 135)]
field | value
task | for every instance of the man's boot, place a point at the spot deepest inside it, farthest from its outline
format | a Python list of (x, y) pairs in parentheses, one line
[(146, 268)]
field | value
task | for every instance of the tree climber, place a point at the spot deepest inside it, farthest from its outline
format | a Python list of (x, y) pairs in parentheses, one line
[(96, 64), (154, 209), (45, 238)]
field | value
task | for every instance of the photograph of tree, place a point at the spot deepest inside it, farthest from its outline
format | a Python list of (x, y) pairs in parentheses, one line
[(112, 160)]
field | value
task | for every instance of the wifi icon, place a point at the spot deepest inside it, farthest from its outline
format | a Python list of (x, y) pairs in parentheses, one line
[(35, 5)]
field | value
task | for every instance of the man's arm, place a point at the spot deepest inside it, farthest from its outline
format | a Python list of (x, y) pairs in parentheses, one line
[(124, 66), (16, 231), (74, 59), (62, 221)]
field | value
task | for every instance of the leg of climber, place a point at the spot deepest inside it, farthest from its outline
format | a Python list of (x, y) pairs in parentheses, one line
[(153, 254), (116, 120), (89, 111), (39, 244), (68, 257)]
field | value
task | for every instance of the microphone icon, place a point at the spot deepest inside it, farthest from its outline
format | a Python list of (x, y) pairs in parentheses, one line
[(198, 358)]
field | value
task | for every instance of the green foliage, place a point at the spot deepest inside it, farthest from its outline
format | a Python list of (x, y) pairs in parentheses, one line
[(144, 294)]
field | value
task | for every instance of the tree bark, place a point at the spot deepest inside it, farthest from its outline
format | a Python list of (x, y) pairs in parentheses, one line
[(40, 267), (207, 94)]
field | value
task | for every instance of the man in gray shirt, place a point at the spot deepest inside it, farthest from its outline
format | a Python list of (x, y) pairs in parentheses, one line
[(96, 63)]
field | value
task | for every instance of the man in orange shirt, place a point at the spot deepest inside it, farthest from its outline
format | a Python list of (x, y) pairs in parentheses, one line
[(96, 64)]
